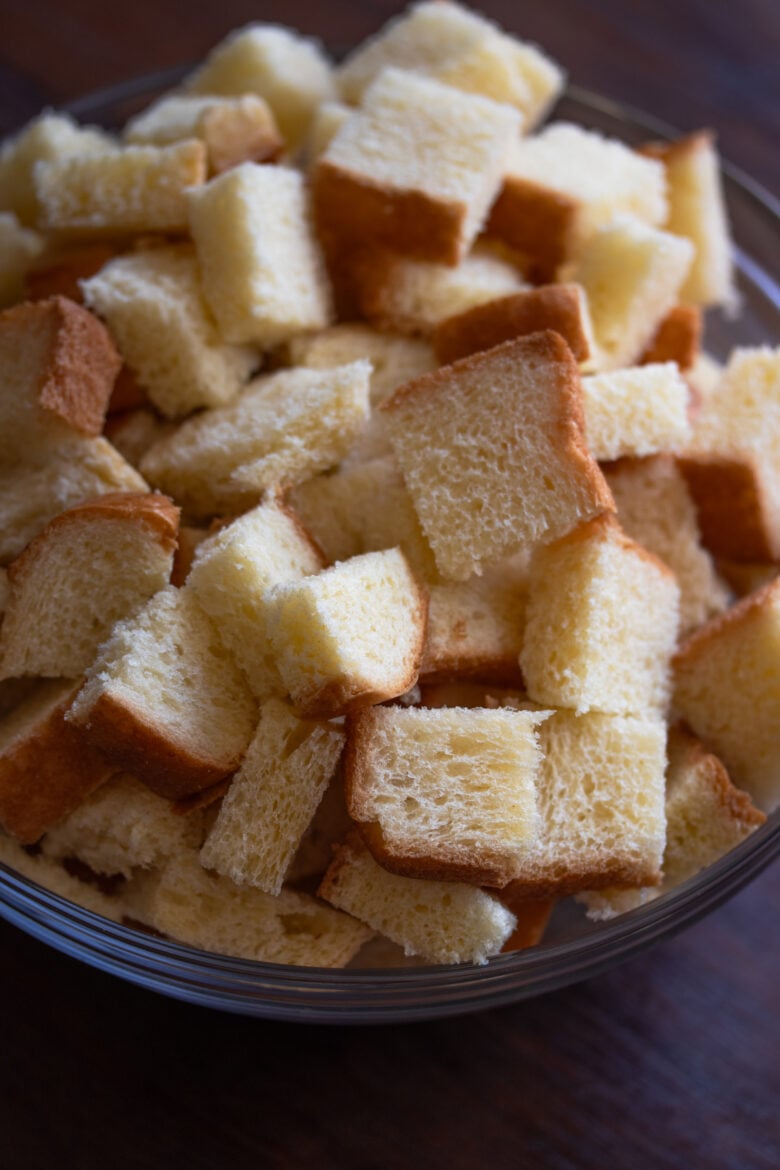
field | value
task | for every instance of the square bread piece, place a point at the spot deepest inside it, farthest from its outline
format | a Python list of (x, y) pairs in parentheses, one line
[(165, 701), (133, 189), (153, 304), (272, 798), (493, 453), (564, 184), (601, 805), (601, 623), (732, 465), (262, 272), (447, 794), (350, 636), (632, 274), (443, 922), (233, 129), (727, 689), (697, 210), (232, 574), (282, 429), (46, 767), (415, 169), (461, 48), (57, 369), (638, 411), (291, 72)]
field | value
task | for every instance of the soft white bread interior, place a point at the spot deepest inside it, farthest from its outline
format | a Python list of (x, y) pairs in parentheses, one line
[(637, 411)]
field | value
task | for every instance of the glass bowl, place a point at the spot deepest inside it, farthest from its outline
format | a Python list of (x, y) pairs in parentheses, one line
[(574, 948)]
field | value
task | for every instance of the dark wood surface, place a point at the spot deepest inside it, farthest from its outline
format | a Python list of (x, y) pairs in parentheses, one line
[(669, 1061)]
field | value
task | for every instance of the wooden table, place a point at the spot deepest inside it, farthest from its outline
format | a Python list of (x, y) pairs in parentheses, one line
[(670, 1061)]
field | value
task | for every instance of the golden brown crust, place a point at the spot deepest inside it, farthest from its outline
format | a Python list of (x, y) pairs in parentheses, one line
[(677, 338), (735, 804), (61, 275), (239, 132), (731, 506), (744, 611), (744, 577), (166, 765), (127, 394), (558, 307), (607, 527), (536, 221), (348, 205), (47, 773), (671, 152), (600, 876), (187, 545), (203, 799), (532, 915), (450, 665)]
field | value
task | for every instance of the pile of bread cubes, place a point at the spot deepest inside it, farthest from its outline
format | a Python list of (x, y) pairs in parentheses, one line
[(385, 560)]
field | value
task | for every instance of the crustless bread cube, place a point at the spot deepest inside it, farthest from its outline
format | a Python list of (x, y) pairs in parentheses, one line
[(395, 359), (638, 411)]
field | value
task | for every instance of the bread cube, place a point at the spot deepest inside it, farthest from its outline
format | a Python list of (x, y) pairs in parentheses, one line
[(462, 49), (493, 454), (638, 411), (262, 272), (33, 494), (444, 922), (164, 700), (727, 689), (563, 185), (18, 249), (46, 768), (632, 275), (697, 210), (122, 827), (677, 339), (57, 615), (601, 624), (289, 71), (232, 574), (272, 798), (135, 189), (233, 130), (445, 794), (656, 510), (205, 910), (350, 636), (282, 429), (415, 169), (133, 432), (57, 366), (563, 308), (45, 139), (325, 125), (53, 877)]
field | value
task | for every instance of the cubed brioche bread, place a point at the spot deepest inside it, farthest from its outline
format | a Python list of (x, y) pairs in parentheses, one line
[(444, 922), (263, 275), (54, 878), (447, 794), (493, 454), (164, 699), (328, 119), (705, 375), (233, 129), (19, 247), (415, 169), (272, 798), (350, 636), (563, 185), (231, 576), (135, 189), (632, 274), (727, 689), (57, 366), (563, 308), (58, 614), (638, 411), (394, 358), (733, 464), (122, 827), (676, 339), (454, 45), (203, 909), (705, 817), (475, 627), (32, 495), (414, 296), (282, 429), (601, 624), (154, 307), (46, 138), (46, 767), (133, 432), (697, 210), (291, 72), (656, 510)]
